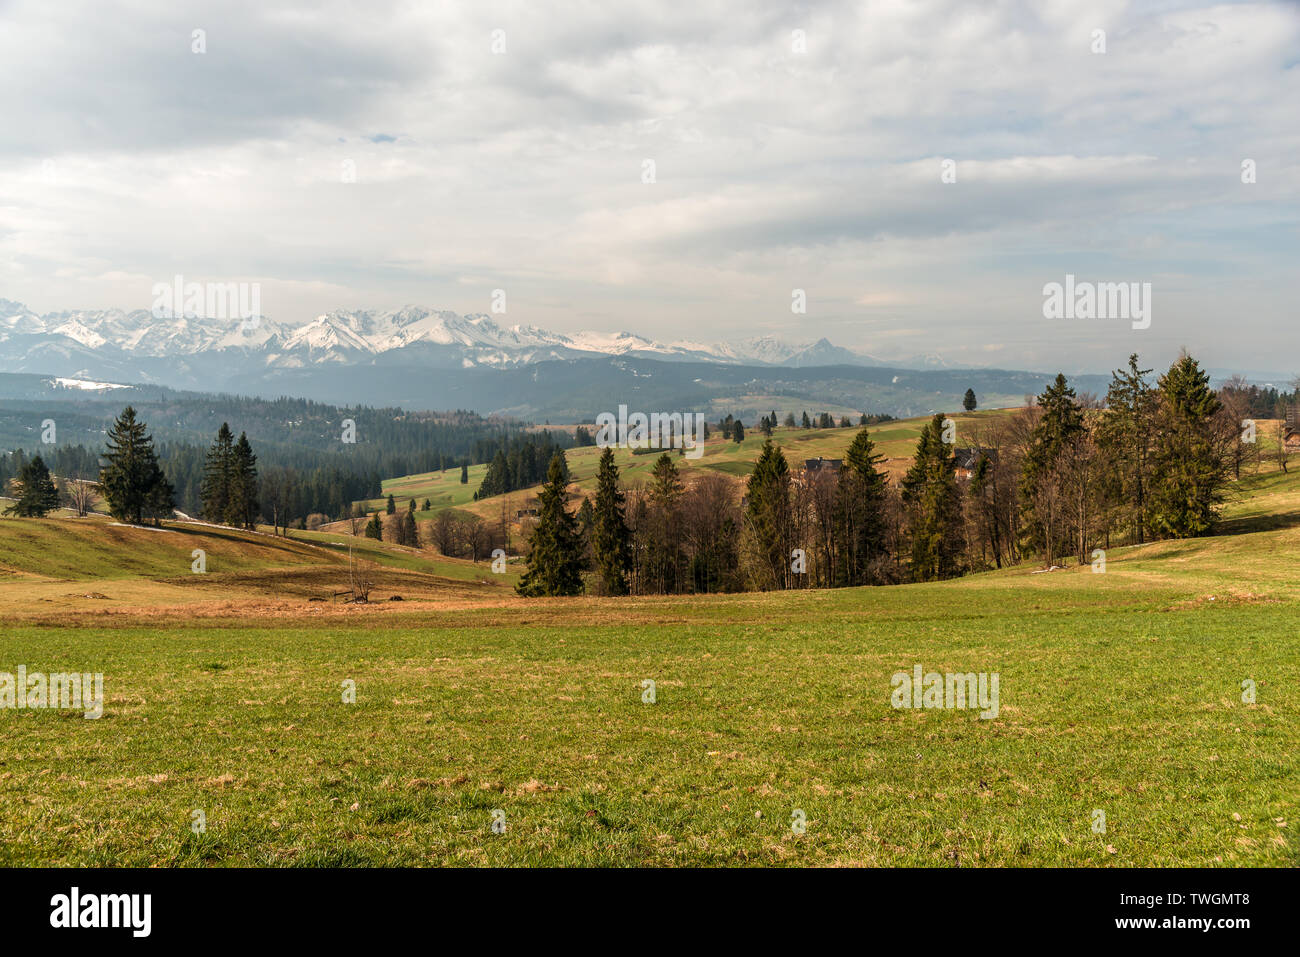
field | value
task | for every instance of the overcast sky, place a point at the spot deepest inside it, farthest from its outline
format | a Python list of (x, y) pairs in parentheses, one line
[(127, 158)]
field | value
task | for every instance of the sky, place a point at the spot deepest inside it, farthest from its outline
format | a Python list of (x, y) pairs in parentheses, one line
[(374, 154)]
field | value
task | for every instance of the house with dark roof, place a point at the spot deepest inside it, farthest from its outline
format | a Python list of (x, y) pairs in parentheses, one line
[(818, 464), (969, 457)]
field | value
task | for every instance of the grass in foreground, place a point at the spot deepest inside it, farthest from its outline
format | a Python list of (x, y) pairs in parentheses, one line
[(1119, 692)]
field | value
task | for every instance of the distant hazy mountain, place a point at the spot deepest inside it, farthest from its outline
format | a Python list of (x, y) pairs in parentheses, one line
[(139, 346), (422, 359), (419, 358)]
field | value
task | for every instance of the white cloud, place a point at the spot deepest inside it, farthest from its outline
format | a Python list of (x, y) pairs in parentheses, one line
[(126, 157)]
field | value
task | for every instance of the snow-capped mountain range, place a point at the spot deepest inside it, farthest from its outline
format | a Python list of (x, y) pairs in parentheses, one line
[(113, 342)]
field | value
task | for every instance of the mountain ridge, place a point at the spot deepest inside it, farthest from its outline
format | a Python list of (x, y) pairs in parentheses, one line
[(353, 336)]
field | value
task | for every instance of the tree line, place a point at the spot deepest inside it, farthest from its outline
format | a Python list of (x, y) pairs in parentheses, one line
[(515, 462), (1059, 478), (452, 532), (131, 477), (309, 468)]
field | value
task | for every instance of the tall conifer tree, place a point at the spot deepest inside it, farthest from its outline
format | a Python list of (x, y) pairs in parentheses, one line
[(610, 536), (132, 481), (1040, 485), (410, 532), (769, 514), (1191, 463), (214, 492), (37, 494), (861, 505), (555, 553), (241, 503), (934, 505), (1126, 433)]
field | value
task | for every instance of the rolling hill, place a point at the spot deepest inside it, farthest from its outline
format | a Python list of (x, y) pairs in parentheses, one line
[(894, 440), (66, 564)]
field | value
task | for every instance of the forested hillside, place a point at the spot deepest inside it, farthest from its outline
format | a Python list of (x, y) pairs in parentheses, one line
[(332, 456)]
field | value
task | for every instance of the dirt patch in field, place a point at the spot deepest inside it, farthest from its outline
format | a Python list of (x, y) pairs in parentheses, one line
[(275, 594), (417, 784), (1231, 597)]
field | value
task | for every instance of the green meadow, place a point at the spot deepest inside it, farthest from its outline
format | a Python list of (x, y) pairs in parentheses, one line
[(1120, 692), (894, 440)]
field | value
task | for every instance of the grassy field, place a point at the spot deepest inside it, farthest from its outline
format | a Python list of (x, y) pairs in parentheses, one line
[(59, 565), (895, 440), (1119, 692)]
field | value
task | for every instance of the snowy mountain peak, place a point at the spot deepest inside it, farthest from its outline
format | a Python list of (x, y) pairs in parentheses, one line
[(414, 334)]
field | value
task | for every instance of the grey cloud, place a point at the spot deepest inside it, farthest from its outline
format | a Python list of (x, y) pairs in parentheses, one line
[(524, 168)]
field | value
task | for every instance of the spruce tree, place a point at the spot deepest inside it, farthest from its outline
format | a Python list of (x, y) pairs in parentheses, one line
[(769, 514), (555, 552), (241, 504), (861, 501), (968, 400), (214, 492), (375, 528), (664, 554), (738, 432), (1061, 422), (410, 533), (586, 517), (133, 483), (38, 495), (586, 531), (496, 481), (1062, 419), (1191, 463), (391, 508), (464, 472), (610, 540), (666, 483), (934, 505), (1126, 433)]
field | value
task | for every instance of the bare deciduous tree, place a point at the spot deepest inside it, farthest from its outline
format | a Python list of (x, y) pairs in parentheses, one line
[(81, 495), (1243, 447), (276, 487), (1079, 472), (360, 581)]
